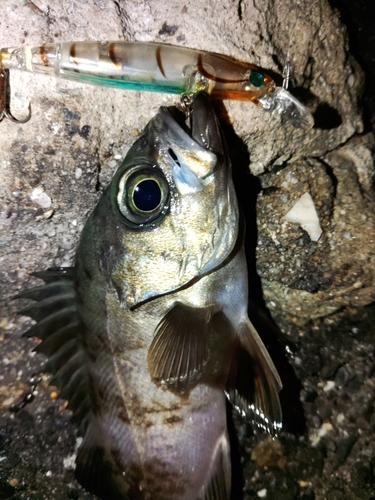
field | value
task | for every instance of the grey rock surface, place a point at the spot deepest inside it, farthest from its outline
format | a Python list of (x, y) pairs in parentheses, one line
[(54, 168)]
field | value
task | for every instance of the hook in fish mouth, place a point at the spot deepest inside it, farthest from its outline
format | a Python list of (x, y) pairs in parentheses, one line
[(193, 151)]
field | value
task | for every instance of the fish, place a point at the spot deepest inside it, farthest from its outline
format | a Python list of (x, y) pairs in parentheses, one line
[(148, 334)]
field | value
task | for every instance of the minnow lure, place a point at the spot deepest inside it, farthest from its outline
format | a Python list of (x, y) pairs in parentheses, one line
[(156, 68)]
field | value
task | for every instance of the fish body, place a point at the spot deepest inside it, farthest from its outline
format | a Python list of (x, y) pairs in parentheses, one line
[(148, 333)]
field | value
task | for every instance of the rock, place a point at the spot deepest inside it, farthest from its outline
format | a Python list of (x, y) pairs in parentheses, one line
[(320, 277)]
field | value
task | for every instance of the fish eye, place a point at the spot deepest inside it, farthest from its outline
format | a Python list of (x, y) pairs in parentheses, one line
[(146, 196), (143, 195), (256, 78)]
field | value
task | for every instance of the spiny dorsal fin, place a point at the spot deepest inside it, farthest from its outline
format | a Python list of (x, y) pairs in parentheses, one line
[(58, 338), (179, 351), (218, 487), (56, 274), (52, 323), (60, 329), (49, 305), (253, 384), (46, 291)]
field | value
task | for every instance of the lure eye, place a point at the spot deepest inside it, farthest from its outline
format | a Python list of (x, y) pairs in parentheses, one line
[(143, 195), (256, 79)]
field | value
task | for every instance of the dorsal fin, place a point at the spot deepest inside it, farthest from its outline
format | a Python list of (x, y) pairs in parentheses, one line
[(253, 384), (56, 274), (179, 351), (46, 291), (108, 452), (60, 329), (49, 305)]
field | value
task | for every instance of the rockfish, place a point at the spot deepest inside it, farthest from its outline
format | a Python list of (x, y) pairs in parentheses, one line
[(148, 333)]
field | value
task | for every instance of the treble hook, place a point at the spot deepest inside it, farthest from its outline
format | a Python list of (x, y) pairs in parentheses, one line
[(5, 98), (286, 72), (186, 103)]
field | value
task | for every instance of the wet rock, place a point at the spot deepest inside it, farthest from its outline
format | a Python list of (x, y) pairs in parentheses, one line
[(269, 453)]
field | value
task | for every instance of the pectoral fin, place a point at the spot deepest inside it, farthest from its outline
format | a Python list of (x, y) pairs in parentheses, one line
[(179, 351), (253, 383)]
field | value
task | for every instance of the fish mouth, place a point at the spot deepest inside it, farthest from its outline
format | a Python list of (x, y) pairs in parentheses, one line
[(205, 129), (194, 149), (202, 124)]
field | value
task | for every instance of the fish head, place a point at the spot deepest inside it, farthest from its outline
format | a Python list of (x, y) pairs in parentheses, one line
[(170, 214)]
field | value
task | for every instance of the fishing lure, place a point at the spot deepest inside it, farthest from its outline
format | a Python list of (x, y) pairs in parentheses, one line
[(156, 68)]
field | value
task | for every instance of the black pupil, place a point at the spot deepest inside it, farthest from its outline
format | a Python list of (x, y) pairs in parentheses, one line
[(147, 195)]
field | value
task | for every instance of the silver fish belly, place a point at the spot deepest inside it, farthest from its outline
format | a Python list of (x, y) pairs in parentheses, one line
[(148, 334)]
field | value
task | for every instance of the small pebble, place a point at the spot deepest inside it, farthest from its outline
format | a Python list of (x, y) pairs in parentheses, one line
[(340, 418), (303, 484), (46, 215), (269, 453), (329, 386), (54, 395), (40, 198), (325, 428), (70, 462)]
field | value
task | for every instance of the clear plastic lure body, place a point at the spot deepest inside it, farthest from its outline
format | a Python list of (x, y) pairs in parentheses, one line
[(150, 67), (143, 66)]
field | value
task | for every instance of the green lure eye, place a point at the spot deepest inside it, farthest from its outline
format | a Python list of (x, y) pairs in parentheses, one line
[(256, 79)]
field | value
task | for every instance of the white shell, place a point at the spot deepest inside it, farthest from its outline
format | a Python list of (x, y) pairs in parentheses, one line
[(304, 213)]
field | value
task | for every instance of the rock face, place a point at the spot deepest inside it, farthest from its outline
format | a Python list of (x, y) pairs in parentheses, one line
[(307, 279), (54, 168)]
